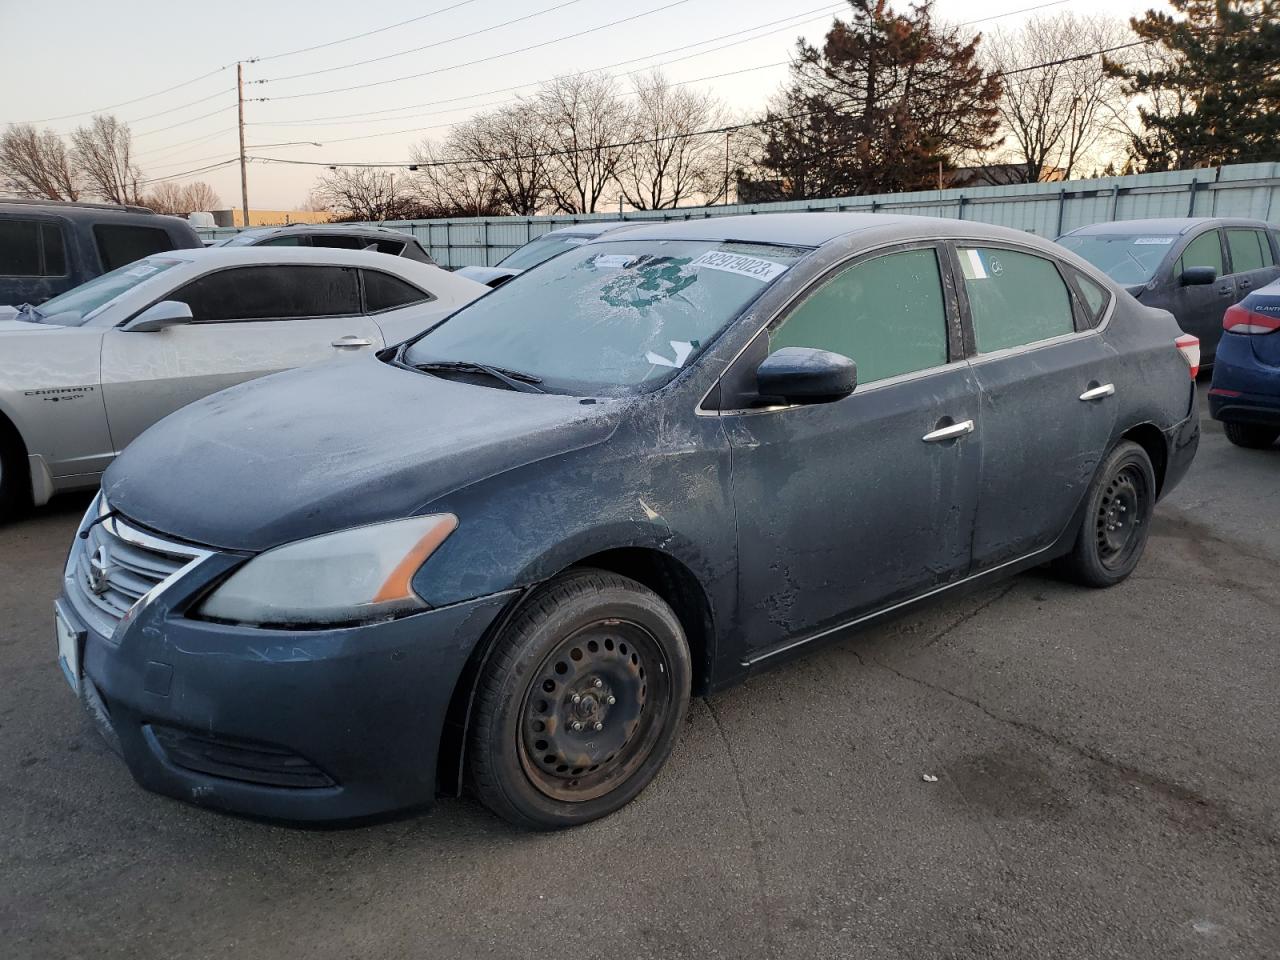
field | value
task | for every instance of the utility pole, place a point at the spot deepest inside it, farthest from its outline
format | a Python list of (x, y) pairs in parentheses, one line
[(244, 174), (726, 168)]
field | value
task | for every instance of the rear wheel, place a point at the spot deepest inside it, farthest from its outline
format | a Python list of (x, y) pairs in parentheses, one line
[(14, 482), (580, 703), (1117, 519), (1251, 435)]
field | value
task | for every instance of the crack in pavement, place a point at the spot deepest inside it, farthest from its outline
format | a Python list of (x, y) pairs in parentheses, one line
[(762, 898), (965, 618)]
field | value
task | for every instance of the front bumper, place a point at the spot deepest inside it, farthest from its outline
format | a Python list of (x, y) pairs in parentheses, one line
[(314, 725)]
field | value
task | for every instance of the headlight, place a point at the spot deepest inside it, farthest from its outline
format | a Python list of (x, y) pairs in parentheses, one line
[(354, 575)]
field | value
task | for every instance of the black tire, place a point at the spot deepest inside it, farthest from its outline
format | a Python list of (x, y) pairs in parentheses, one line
[(15, 483), (597, 636), (1252, 435), (1117, 519)]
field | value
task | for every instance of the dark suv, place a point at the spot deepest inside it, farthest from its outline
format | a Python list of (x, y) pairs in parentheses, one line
[(46, 248)]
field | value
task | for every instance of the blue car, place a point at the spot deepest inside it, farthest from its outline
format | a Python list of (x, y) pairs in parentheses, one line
[(1245, 394)]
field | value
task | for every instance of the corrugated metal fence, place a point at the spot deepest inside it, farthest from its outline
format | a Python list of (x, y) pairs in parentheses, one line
[(1047, 209)]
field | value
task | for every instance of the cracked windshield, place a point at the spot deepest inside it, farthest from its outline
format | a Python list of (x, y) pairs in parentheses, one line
[(610, 318)]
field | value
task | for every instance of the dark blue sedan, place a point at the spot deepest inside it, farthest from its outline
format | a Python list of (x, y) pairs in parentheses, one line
[(1245, 394)]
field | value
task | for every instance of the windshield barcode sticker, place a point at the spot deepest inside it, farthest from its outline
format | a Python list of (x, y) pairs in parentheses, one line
[(1159, 241), (755, 267)]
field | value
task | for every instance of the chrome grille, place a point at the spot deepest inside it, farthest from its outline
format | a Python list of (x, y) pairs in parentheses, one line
[(117, 565)]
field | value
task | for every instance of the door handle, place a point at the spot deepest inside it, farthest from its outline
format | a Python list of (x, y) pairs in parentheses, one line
[(1226, 290), (351, 340), (949, 432), (1244, 284), (1097, 393)]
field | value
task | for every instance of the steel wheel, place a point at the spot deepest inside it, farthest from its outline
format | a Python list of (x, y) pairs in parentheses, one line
[(593, 711), (1119, 516)]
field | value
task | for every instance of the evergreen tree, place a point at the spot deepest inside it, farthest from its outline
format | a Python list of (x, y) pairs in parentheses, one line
[(1210, 90), (887, 98)]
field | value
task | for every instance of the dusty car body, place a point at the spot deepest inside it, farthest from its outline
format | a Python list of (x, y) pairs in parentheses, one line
[(541, 249), (79, 382), (682, 482)]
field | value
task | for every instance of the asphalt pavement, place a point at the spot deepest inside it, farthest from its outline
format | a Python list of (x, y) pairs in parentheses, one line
[(1107, 786)]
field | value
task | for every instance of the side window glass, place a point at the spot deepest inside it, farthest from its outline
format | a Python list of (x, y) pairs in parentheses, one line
[(392, 247), (119, 245), (888, 315), (1246, 250), (338, 241), (19, 248), (272, 293), (1014, 298), (289, 240), (385, 292), (1204, 251), (1096, 297), (55, 254)]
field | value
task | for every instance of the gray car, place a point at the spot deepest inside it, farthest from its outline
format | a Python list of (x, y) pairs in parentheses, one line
[(1195, 268), (347, 236), (87, 371), (541, 249)]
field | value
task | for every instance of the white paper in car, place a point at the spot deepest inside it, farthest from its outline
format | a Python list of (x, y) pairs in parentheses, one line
[(971, 264), (682, 348), (613, 261), (1158, 241), (141, 270), (755, 267), (575, 241)]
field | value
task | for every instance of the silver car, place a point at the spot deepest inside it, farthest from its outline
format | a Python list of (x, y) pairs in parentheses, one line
[(87, 371)]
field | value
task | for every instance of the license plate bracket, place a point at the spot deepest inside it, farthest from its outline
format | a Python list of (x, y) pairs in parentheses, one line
[(70, 647)]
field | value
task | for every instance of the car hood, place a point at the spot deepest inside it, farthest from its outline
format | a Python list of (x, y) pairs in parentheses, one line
[(335, 445)]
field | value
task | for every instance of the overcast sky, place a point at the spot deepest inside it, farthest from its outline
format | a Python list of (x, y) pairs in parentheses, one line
[(78, 56)]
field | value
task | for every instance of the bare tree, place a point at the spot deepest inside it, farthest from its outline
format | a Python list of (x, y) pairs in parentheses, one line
[(363, 193), (167, 197), (37, 165), (510, 147), (102, 151), (200, 196), (451, 184), (586, 122), (1058, 116), (667, 165)]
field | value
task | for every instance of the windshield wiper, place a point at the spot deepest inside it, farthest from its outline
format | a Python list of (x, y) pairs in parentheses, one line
[(515, 379)]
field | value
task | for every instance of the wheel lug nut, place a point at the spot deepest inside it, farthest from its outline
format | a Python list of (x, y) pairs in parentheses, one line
[(599, 725), (576, 698), (611, 701), (577, 724), (597, 682)]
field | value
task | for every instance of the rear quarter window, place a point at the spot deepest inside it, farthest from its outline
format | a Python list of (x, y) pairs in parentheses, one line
[(31, 248), (121, 244)]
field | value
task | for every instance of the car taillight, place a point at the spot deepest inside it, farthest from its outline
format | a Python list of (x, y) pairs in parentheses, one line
[(1189, 347), (1239, 319)]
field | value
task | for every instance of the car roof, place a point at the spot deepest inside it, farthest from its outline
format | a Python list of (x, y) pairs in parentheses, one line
[(240, 256), (356, 229), (803, 229), (75, 211), (1161, 225), (589, 228)]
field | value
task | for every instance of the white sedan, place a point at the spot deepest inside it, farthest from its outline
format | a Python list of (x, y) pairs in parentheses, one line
[(86, 372)]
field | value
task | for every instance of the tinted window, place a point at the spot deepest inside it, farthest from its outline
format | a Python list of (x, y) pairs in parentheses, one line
[(1095, 296), (55, 255), (290, 240), (887, 314), (1204, 251), (385, 292), (1014, 298), (392, 247), (119, 245), (31, 248), (338, 241), (414, 252), (272, 293), (1249, 250)]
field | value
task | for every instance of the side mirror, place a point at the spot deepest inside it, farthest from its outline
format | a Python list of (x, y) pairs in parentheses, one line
[(806, 375), (1198, 276), (166, 313)]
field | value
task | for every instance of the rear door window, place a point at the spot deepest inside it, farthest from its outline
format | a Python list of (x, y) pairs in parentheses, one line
[(338, 241), (121, 244), (887, 314), (1249, 250), (1204, 251), (290, 240), (1015, 298), (385, 292), (281, 292), (31, 248)]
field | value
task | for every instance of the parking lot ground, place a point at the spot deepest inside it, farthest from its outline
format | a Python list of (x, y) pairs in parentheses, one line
[(1107, 786)]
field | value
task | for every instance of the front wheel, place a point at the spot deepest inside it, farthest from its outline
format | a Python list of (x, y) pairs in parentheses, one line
[(1251, 435), (580, 703), (1117, 519)]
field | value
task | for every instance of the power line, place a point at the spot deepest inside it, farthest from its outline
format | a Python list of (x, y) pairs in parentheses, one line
[(183, 123), (436, 43), (161, 113), (471, 63), (125, 103), (360, 36), (362, 117), (188, 173)]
